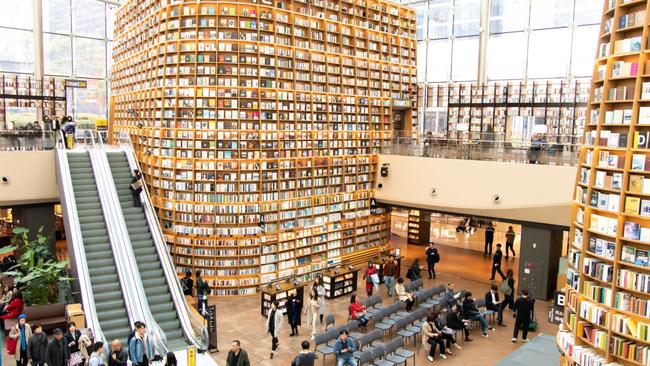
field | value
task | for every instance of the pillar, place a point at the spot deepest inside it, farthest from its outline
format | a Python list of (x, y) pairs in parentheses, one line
[(540, 252)]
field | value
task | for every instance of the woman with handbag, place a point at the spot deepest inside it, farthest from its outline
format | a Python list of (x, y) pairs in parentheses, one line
[(432, 337), (403, 295), (371, 276), (358, 311), (72, 339), (446, 333), (21, 333)]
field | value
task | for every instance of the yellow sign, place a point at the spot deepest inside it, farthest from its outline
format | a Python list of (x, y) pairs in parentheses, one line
[(101, 123), (72, 83), (191, 356)]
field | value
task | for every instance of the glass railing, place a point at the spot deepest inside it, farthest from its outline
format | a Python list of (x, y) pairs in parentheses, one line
[(26, 140), (541, 149)]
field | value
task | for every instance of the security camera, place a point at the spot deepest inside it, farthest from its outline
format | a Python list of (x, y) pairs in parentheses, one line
[(384, 170), (496, 198), (4, 179), (434, 191)]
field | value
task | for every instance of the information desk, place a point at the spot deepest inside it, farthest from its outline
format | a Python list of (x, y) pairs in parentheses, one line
[(339, 284), (379, 262), (270, 294)]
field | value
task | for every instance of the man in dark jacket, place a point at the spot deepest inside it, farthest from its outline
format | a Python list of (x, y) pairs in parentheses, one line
[(523, 315), (188, 283), (237, 356), (136, 187), (37, 346), (118, 356), (432, 258), (57, 353), (471, 312), (489, 239), (493, 303), (202, 292), (496, 263), (455, 322)]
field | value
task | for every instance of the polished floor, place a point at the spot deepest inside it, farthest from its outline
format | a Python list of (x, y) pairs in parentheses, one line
[(240, 318)]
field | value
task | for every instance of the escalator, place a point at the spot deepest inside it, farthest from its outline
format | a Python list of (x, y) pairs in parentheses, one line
[(154, 282), (109, 304)]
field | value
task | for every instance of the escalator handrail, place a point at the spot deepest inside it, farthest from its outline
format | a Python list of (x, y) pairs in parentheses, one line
[(173, 281), (69, 206), (134, 295)]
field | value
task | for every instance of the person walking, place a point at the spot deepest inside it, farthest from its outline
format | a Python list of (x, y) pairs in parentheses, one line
[(37, 345), (357, 311), (57, 353), (456, 322), (509, 294), (188, 283), (320, 289), (489, 239), (446, 333), (372, 278), (273, 324), (344, 349), (433, 257), (391, 270), (237, 356), (97, 357), (72, 338), (403, 295), (523, 315), (118, 356), (312, 312), (510, 241), (305, 357), (432, 337), (140, 348), (21, 333), (136, 187), (471, 312), (493, 303), (294, 310), (496, 263)]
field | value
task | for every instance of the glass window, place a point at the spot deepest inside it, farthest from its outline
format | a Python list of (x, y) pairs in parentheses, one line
[(465, 59), (439, 19), (89, 58), (438, 60), (550, 13), (16, 14), (421, 21), (467, 17), (544, 62), (588, 12), (89, 18), (16, 51), (110, 20), (57, 52), (508, 15), (89, 104), (506, 56), (56, 16), (422, 61), (583, 53)]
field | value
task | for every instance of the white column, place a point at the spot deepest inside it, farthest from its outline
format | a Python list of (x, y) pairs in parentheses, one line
[(484, 34), (38, 48)]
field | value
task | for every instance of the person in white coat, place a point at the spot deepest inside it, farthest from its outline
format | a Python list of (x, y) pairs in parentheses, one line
[(312, 312), (320, 288), (273, 324)]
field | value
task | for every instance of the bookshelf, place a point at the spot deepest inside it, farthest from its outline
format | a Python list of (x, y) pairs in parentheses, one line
[(339, 283), (257, 126), (25, 93), (608, 278), (270, 294), (419, 227)]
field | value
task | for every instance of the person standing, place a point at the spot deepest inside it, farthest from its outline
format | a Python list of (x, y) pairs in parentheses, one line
[(489, 239), (471, 312), (140, 349), (391, 270), (188, 283), (202, 291), (273, 324), (357, 311), (510, 241), (456, 322), (237, 356), (320, 289), (432, 337), (523, 315), (97, 357), (37, 345), (372, 278), (136, 187), (496, 263), (403, 295), (72, 338), (305, 357), (510, 297), (344, 349), (118, 356), (57, 353), (21, 333), (294, 310), (433, 257), (493, 303), (312, 312)]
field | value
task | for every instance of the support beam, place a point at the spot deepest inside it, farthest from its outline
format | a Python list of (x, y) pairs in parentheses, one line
[(39, 62), (484, 34)]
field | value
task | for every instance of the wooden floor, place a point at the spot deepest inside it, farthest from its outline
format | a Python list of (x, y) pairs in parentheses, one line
[(241, 319)]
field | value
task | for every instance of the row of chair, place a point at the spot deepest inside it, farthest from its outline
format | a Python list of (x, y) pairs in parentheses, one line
[(393, 353)]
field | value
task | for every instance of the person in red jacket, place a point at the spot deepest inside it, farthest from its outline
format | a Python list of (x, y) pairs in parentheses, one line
[(13, 309), (358, 311), (372, 278)]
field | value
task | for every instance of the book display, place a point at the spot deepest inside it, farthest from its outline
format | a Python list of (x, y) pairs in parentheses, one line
[(419, 227), (279, 292), (257, 125), (339, 282), (23, 97), (606, 318)]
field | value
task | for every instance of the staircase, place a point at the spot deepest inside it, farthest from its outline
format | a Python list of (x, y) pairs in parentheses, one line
[(111, 310), (153, 279)]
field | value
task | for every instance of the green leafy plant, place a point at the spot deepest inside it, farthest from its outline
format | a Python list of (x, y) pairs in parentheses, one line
[(39, 274)]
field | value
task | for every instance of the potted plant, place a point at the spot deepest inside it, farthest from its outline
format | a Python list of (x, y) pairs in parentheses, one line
[(39, 274)]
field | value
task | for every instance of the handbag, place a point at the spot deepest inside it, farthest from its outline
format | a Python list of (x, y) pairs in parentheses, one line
[(375, 278), (504, 288), (448, 331), (75, 359)]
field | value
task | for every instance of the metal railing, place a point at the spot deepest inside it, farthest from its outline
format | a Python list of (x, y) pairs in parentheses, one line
[(540, 149), (27, 140)]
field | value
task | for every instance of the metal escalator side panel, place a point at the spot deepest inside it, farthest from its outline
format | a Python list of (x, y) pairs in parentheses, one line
[(75, 243), (199, 340)]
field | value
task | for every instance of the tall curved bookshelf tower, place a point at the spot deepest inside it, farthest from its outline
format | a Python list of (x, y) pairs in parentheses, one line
[(607, 315), (257, 124)]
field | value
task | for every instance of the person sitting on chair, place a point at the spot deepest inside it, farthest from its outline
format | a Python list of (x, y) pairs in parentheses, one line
[(344, 349), (358, 311)]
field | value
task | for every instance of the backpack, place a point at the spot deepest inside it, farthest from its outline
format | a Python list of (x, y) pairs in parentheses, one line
[(505, 288), (436, 257)]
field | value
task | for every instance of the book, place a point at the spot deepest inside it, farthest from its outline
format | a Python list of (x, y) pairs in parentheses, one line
[(646, 186), (641, 139), (636, 184), (628, 254), (644, 115), (638, 162), (600, 178), (617, 181), (645, 90), (632, 205), (631, 230), (603, 201), (641, 258), (612, 202), (644, 235), (645, 208)]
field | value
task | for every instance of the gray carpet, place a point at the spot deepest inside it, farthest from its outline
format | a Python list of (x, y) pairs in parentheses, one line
[(540, 351)]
